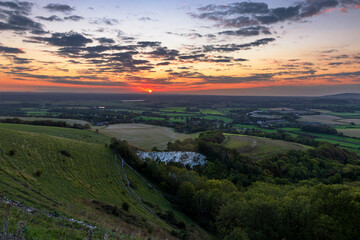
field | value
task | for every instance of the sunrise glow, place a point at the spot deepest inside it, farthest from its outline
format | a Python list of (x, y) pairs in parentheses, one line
[(180, 47)]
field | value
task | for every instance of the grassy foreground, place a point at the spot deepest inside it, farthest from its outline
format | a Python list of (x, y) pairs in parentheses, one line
[(76, 179)]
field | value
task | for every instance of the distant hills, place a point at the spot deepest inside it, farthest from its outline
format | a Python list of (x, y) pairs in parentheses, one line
[(344, 95)]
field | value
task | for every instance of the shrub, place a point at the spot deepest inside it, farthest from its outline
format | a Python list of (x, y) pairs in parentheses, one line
[(125, 206), (37, 173), (65, 153), (12, 152)]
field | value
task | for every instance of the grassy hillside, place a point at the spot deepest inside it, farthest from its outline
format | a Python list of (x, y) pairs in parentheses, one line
[(70, 133), (257, 147), (79, 180)]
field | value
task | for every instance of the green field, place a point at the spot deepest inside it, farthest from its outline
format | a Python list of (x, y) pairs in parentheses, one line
[(218, 118), (349, 143), (35, 170), (211, 112), (174, 109), (142, 135), (257, 147)]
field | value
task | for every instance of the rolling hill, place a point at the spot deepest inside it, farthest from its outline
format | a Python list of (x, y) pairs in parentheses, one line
[(82, 180)]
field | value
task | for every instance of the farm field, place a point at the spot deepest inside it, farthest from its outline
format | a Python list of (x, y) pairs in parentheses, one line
[(69, 121), (349, 143), (350, 132), (328, 119), (257, 147), (77, 184), (143, 135), (69, 133)]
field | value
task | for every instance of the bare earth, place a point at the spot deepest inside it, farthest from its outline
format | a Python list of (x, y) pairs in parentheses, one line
[(142, 135)]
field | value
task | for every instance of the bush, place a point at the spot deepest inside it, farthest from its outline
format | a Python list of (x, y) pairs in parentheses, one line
[(125, 206), (12, 152), (65, 153), (37, 173)]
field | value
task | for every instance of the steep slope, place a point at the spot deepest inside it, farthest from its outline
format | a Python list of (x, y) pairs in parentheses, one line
[(79, 180)]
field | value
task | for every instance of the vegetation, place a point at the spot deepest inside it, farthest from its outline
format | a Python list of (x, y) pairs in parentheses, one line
[(282, 187), (77, 180)]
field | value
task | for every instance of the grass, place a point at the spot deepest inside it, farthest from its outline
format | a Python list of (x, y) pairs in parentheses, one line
[(259, 148), (219, 118), (35, 170), (174, 109), (211, 112), (346, 141), (150, 118), (70, 133), (69, 121), (143, 135)]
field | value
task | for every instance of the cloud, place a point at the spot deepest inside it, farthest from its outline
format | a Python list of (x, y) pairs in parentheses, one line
[(149, 44), (19, 60), (10, 50), (189, 35), (75, 18), (104, 40), (146, 19), (55, 7), (106, 21), (65, 39), (20, 7), (248, 31), (16, 19), (249, 14), (52, 18), (236, 47)]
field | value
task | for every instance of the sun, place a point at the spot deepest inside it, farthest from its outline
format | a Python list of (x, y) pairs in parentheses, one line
[(149, 91)]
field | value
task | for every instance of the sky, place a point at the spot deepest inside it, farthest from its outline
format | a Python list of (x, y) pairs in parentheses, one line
[(267, 47)]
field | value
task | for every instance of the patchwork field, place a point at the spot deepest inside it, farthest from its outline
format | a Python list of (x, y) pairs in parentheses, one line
[(328, 119), (142, 135), (350, 132), (257, 147)]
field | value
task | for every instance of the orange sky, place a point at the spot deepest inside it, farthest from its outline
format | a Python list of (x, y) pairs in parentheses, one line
[(169, 47)]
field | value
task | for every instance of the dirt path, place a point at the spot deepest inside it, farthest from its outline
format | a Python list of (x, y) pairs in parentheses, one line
[(125, 180)]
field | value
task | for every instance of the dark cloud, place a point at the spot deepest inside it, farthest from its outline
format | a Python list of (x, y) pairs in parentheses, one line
[(10, 50), (55, 7), (165, 53), (52, 18), (236, 47), (163, 64), (189, 35), (249, 14), (75, 18), (105, 40), (248, 31), (149, 44), (19, 7), (16, 19), (65, 39), (192, 57)]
